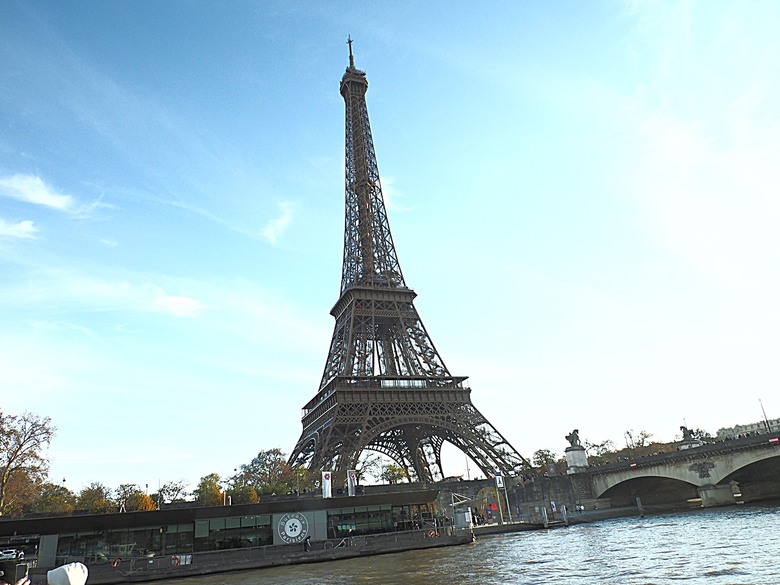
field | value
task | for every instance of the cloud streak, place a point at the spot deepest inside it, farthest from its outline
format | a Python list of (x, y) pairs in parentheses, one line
[(72, 292), (20, 229), (276, 227), (32, 189), (177, 305)]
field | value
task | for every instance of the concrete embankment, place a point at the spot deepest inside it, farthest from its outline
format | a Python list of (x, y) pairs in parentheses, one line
[(556, 521)]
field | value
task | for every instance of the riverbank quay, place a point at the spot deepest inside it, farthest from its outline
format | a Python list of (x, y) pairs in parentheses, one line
[(191, 540), (505, 528), (556, 521)]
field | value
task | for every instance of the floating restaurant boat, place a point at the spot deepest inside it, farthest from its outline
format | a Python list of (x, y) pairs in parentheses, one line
[(184, 541)]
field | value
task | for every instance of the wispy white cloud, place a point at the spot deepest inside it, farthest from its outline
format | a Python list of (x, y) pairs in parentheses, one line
[(20, 229), (69, 292), (177, 305), (138, 297), (233, 226), (274, 228), (58, 326), (392, 195), (32, 189)]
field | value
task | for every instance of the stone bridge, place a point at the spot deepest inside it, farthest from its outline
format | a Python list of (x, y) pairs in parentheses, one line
[(726, 472)]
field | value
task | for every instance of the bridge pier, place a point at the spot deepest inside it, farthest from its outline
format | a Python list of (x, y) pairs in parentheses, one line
[(716, 495)]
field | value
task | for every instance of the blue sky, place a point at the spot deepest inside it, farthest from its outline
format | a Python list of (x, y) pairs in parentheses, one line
[(583, 194)]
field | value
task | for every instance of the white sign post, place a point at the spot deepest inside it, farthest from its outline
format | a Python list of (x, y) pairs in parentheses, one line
[(500, 485)]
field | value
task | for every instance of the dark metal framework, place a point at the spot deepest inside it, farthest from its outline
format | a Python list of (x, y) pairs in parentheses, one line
[(385, 387)]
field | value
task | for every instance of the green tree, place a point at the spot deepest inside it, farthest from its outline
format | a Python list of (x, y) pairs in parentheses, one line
[(20, 492), (52, 499), (22, 441), (140, 501), (393, 474), (209, 491), (548, 462), (95, 498), (305, 479), (542, 458), (244, 494), (268, 473)]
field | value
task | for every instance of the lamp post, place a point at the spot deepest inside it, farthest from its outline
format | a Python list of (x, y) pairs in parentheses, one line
[(766, 420)]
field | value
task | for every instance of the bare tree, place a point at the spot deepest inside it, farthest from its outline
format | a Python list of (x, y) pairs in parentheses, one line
[(599, 449), (642, 439), (173, 491), (369, 464), (22, 441), (131, 498)]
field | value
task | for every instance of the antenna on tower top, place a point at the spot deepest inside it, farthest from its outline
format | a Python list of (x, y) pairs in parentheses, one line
[(351, 58)]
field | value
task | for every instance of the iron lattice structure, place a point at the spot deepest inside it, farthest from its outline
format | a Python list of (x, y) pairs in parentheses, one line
[(385, 387)]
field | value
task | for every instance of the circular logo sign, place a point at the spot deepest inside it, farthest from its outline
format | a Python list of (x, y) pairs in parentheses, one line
[(293, 527)]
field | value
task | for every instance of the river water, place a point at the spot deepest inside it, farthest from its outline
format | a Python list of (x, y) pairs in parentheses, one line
[(722, 546)]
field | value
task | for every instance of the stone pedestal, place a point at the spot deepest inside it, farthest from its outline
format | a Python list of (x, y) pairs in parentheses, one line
[(576, 459), (717, 495), (689, 444)]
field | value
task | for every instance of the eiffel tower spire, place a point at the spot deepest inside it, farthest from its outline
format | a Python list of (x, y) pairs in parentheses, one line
[(369, 254), (385, 387)]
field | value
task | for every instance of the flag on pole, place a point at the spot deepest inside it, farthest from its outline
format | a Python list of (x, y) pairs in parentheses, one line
[(499, 480), (351, 482), (326, 475)]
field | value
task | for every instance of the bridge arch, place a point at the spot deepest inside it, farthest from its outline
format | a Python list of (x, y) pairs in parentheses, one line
[(651, 490), (722, 473), (664, 475), (756, 480), (731, 466)]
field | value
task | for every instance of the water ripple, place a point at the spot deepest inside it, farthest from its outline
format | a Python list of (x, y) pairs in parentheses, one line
[(734, 546)]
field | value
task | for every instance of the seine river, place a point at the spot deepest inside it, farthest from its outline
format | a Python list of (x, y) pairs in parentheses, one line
[(738, 545)]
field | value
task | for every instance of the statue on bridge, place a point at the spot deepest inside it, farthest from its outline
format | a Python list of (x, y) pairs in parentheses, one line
[(576, 457), (689, 440), (574, 438)]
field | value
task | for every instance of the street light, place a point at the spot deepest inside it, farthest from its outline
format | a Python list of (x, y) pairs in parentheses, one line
[(226, 500)]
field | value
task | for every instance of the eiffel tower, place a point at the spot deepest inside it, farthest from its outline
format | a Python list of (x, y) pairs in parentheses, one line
[(385, 387)]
